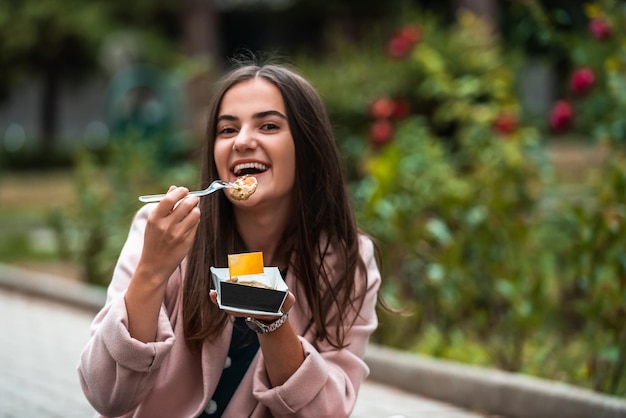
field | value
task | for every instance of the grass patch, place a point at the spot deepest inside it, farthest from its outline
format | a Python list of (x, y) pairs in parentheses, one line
[(27, 199)]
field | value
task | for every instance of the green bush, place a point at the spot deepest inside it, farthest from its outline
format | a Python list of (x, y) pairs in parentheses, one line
[(590, 235), (591, 257), (455, 239), (493, 269), (447, 180), (107, 184)]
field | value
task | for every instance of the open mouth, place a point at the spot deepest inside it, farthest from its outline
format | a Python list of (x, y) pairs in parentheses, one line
[(249, 169)]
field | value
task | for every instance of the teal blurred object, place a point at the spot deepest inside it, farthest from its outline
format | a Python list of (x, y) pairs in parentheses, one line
[(143, 103)]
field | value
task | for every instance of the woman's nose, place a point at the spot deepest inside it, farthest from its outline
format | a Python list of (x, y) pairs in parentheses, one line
[(244, 141)]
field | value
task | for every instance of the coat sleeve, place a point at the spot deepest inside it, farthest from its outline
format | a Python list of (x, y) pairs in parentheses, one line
[(327, 383), (116, 371)]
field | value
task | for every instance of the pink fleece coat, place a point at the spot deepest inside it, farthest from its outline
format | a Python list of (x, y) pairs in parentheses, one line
[(123, 377)]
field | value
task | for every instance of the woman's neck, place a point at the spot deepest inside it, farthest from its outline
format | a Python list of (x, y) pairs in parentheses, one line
[(263, 231)]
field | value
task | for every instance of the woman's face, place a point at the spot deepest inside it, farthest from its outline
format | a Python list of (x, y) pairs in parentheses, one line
[(253, 137)]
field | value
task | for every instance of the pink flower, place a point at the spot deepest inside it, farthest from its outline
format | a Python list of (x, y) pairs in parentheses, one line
[(600, 28), (506, 123), (561, 116), (381, 132), (582, 80)]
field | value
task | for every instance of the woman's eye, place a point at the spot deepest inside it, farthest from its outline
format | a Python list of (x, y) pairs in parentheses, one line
[(225, 131), (269, 126)]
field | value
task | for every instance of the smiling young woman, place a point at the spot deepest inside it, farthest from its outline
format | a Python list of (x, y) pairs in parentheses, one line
[(162, 347)]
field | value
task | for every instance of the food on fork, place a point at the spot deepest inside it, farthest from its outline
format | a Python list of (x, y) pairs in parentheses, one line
[(244, 187)]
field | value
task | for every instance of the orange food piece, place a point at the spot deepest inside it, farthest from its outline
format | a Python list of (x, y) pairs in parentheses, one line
[(245, 263)]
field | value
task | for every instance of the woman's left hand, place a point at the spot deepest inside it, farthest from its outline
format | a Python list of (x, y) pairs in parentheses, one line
[(282, 350)]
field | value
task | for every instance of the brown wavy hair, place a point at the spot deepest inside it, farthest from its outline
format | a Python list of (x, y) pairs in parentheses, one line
[(322, 216)]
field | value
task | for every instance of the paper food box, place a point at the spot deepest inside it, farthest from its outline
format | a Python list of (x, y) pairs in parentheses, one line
[(248, 286)]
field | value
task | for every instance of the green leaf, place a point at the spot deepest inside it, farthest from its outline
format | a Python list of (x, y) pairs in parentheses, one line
[(439, 230)]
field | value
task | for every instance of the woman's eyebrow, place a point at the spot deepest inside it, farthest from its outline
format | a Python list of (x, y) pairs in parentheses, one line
[(261, 115), (227, 117)]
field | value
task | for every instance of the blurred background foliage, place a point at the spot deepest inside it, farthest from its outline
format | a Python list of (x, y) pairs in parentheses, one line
[(498, 259)]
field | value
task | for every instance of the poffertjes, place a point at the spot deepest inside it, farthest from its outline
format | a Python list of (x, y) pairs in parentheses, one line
[(245, 186)]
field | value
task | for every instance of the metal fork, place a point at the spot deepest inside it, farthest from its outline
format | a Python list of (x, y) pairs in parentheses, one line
[(216, 185)]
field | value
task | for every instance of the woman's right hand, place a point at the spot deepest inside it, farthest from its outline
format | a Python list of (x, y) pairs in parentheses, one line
[(169, 233)]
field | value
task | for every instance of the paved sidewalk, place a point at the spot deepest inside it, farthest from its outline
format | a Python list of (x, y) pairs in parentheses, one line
[(38, 357), (42, 341)]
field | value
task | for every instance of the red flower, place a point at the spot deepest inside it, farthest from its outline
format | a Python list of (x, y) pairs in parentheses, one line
[(399, 47), (381, 131), (561, 116), (401, 109), (412, 33), (403, 41), (382, 107), (600, 28), (506, 123), (582, 80)]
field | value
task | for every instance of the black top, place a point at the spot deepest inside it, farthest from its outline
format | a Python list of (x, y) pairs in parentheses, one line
[(243, 347)]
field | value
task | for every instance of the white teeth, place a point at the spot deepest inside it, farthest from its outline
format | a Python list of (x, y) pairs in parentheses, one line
[(257, 166)]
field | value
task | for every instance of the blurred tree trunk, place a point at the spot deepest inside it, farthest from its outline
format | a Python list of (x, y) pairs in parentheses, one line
[(487, 10), (200, 39), (200, 28), (48, 111)]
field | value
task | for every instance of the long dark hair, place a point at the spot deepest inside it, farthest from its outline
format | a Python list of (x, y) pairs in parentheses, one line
[(322, 218)]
